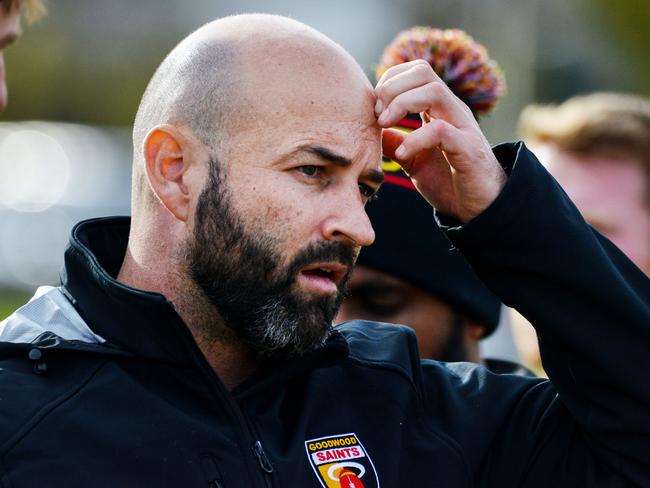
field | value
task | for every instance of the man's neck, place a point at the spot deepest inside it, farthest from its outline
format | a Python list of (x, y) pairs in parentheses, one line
[(231, 361)]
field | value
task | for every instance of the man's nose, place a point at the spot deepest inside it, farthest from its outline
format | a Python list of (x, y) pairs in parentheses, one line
[(348, 221)]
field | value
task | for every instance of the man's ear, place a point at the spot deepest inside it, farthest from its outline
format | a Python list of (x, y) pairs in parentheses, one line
[(167, 161)]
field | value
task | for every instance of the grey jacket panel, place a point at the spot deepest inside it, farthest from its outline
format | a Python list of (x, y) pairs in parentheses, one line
[(47, 311)]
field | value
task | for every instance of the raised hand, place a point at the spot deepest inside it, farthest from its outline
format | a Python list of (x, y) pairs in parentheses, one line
[(449, 159)]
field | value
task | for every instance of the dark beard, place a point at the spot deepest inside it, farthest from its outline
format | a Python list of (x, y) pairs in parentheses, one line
[(241, 275)]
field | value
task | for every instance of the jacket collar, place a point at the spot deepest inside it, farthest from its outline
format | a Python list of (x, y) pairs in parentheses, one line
[(140, 322)]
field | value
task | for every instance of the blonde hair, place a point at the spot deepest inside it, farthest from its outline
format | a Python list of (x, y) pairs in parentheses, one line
[(600, 122), (32, 9)]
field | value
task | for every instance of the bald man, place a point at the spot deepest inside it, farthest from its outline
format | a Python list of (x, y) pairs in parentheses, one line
[(191, 345)]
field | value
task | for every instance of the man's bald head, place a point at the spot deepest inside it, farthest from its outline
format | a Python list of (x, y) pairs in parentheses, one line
[(194, 87), (212, 82), (256, 149)]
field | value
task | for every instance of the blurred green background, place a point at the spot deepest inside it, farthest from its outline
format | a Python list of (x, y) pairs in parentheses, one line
[(90, 61), (11, 299)]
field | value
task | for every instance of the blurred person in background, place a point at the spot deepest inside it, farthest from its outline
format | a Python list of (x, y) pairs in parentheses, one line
[(597, 147), (411, 275), (10, 15)]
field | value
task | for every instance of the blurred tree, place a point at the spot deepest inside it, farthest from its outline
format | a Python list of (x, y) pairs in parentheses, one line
[(90, 61), (65, 81)]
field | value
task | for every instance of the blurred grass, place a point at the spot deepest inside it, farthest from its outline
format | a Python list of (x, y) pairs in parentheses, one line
[(11, 299)]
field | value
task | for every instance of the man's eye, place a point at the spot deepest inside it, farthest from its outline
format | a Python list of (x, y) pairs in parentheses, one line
[(378, 306), (378, 302), (367, 192), (309, 170)]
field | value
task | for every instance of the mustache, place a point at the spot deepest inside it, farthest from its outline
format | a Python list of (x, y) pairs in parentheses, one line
[(324, 251)]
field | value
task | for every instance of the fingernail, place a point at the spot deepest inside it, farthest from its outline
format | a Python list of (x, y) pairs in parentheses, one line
[(379, 106), (384, 116), (400, 152)]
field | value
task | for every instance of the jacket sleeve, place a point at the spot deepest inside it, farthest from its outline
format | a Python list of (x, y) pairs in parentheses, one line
[(590, 307)]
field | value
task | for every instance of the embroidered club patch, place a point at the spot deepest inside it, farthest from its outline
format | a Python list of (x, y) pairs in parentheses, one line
[(340, 461)]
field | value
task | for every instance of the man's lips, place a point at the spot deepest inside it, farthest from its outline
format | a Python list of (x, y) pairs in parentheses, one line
[(323, 277)]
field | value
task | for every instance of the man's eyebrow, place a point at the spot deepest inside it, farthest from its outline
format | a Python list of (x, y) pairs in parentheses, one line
[(328, 155)]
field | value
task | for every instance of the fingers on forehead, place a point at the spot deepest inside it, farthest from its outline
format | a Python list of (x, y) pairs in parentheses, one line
[(418, 75), (433, 98), (437, 133), (414, 84), (419, 64)]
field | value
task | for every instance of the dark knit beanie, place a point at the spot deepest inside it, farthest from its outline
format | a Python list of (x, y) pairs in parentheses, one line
[(409, 245)]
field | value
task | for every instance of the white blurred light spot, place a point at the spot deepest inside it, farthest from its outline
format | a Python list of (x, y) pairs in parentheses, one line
[(34, 171), (32, 245)]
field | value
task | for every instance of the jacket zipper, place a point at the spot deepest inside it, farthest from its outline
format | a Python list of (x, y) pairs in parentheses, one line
[(262, 458), (256, 447), (211, 471), (245, 430)]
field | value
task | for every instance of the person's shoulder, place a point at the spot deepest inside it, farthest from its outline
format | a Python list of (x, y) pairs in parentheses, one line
[(503, 366), (368, 339), (46, 354), (49, 310), (35, 381), (382, 345)]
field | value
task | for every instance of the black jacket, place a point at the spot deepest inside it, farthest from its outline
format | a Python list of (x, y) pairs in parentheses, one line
[(131, 401)]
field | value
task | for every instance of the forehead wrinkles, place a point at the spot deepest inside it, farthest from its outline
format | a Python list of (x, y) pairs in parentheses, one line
[(303, 75), (317, 108), (292, 104), (267, 142)]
